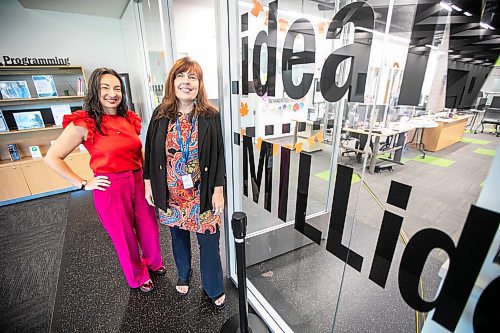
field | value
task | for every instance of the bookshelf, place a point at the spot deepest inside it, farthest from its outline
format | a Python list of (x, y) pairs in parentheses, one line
[(57, 87)]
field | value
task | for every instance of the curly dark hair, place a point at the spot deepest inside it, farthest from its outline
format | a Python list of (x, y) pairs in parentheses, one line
[(91, 102)]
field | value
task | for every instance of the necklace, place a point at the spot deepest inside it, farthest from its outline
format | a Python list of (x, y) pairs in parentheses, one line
[(112, 127)]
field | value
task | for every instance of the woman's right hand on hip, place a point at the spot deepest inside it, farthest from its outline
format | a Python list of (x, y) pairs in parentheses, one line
[(100, 183)]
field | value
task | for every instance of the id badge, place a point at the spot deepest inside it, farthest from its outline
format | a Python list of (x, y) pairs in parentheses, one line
[(187, 181)]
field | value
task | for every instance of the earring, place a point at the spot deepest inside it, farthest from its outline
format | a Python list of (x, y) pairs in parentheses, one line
[(195, 101)]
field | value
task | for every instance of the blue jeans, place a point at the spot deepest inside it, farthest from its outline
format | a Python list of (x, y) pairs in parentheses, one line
[(210, 264)]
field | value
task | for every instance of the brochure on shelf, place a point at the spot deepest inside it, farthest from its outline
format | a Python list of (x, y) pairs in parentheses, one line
[(13, 152), (14, 89), (3, 123), (35, 152), (28, 120), (44, 85), (58, 112)]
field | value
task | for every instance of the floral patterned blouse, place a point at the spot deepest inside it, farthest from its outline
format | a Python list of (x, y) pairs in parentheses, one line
[(184, 204)]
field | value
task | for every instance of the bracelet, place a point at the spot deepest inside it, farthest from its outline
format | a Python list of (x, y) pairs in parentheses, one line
[(84, 183)]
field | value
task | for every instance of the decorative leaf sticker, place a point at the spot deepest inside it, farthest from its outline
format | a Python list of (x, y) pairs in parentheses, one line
[(257, 7), (243, 109), (298, 147)]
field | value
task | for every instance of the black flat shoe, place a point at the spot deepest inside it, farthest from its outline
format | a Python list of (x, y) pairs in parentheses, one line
[(161, 271), (181, 283), (218, 307)]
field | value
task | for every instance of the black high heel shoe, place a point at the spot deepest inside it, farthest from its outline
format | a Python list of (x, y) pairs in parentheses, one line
[(212, 300), (181, 283)]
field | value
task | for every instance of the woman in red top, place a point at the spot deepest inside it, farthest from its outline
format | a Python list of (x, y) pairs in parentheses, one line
[(111, 135)]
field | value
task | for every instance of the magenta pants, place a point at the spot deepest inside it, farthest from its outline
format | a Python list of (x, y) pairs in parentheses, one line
[(131, 223)]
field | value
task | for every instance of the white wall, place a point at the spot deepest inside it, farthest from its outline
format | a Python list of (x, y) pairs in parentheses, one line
[(195, 35), (89, 41), (492, 83)]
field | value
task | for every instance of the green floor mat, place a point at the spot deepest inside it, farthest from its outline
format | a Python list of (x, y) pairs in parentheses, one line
[(325, 175), (442, 162), (355, 178), (482, 151), (475, 141)]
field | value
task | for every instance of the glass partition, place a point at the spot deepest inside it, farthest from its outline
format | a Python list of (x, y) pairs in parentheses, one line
[(354, 174)]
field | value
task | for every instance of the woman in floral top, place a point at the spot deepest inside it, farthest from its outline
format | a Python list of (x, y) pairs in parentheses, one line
[(184, 173)]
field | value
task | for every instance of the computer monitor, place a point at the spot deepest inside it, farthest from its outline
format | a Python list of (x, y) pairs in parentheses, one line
[(495, 102)]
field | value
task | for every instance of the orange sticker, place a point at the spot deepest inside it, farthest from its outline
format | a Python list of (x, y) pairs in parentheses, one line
[(298, 147), (257, 7), (243, 109), (319, 136), (311, 140), (283, 24), (321, 27), (258, 144)]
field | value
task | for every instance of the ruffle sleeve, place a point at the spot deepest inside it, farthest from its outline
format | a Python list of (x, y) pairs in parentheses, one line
[(81, 118), (135, 120)]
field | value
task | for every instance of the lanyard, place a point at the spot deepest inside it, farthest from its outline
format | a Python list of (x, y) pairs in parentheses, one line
[(185, 147)]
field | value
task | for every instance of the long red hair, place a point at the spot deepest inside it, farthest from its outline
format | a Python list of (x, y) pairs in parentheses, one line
[(169, 106)]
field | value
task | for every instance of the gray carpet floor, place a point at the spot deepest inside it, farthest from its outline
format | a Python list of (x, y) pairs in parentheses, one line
[(31, 238)]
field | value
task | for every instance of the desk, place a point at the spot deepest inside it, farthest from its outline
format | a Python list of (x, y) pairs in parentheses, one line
[(448, 132), (475, 115), (397, 148), (420, 125), (306, 134)]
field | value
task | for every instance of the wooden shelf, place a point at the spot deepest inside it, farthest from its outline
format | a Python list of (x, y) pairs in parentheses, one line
[(48, 69), (24, 160), (39, 100), (48, 128), (29, 177)]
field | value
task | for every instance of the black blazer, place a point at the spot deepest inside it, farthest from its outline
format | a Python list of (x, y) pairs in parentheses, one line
[(210, 155)]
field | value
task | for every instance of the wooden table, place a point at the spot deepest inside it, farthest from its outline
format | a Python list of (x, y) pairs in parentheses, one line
[(448, 132)]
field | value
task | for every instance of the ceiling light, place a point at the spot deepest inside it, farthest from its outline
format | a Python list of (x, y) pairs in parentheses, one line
[(445, 6), (483, 25), (467, 14), (458, 9)]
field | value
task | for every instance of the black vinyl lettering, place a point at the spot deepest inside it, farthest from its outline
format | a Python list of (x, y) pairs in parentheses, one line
[(290, 58), (265, 158), (466, 260), (361, 14), (269, 38), (337, 219), (386, 246), (485, 318), (301, 204), (284, 182)]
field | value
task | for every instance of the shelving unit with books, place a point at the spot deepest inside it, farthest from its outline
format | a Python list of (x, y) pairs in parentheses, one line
[(33, 101)]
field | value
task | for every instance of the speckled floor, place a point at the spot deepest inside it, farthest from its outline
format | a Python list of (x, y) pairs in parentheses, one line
[(92, 294)]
